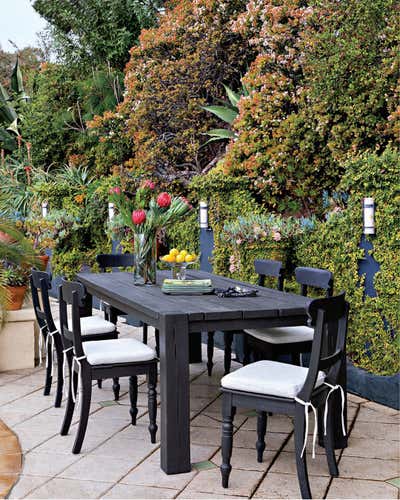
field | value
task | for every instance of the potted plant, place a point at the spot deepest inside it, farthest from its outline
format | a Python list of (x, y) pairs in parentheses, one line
[(15, 279), (41, 233)]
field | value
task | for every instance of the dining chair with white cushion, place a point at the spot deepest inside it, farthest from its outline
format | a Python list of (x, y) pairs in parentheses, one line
[(271, 386), (93, 328), (270, 342), (95, 360)]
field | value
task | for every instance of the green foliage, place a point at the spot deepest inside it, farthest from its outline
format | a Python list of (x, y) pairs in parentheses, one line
[(334, 246), (324, 85), (92, 32), (185, 234), (185, 60)]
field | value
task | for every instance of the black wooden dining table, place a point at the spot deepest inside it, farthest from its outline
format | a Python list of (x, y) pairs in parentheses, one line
[(177, 317)]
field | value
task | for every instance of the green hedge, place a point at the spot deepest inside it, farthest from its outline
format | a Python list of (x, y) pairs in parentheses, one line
[(373, 339)]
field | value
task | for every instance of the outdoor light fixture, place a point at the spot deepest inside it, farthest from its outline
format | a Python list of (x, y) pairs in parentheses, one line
[(45, 206), (368, 216), (203, 218), (111, 211)]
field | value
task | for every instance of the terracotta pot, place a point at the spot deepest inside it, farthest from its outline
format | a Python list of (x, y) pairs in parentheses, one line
[(16, 295), (6, 238), (44, 261)]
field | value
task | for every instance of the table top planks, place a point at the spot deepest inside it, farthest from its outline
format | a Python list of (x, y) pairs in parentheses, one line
[(152, 302)]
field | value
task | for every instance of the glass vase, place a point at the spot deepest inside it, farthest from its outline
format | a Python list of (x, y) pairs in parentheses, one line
[(145, 250)]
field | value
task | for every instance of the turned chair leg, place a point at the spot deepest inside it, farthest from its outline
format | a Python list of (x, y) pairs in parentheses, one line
[(301, 462), (99, 383), (227, 439), (261, 430), (210, 352), (86, 396), (48, 381), (133, 395), (329, 444), (228, 339), (116, 388), (70, 406), (152, 402), (246, 350), (145, 333)]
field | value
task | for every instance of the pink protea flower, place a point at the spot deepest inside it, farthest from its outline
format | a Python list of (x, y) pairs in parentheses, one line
[(138, 217), (148, 184), (164, 200)]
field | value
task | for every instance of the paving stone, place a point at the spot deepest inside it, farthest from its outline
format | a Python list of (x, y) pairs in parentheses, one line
[(275, 423), (241, 482), (47, 464), (198, 404), (200, 453), (372, 430), (286, 464), (106, 469), (380, 408), (367, 414), (26, 484), (64, 444), (245, 459), (277, 485), (131, 449), (149, 474), (132, 491), (203, 391), (368, 468), (204, 435), (356, 488), (355, 399), (214, 420), (198, 495), (247, 439), (372, 448), (70, 488)]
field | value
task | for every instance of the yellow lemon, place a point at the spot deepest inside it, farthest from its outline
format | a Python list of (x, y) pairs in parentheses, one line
[(180, 258), (183, 252), (189, 258), (163, 257), (174, 251)]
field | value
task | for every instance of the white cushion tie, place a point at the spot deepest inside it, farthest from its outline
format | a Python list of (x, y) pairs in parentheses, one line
[(65, 369), (306, 405), (79, 388), (49, 339), (333, 389)]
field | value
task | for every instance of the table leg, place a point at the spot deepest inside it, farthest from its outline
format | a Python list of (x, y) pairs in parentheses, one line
[(174, 381)]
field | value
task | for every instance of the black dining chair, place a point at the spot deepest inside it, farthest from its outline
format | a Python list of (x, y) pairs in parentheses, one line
[(265, 269), (270, 342), (271, 386), (88, 361), (93, 328)]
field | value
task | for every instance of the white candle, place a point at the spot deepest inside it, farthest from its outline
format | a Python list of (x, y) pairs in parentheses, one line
[(203, 219), (369, 216)]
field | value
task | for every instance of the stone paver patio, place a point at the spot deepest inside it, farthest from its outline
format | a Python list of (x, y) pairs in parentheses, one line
[(118, 461)]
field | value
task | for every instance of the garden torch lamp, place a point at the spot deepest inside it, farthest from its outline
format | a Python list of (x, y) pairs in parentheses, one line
[(203, 215), (368, 216), (45, 206), (111, 211)]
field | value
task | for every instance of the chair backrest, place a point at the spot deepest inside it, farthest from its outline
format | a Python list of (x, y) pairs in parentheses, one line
[(269, 268), (312, 276), (329, 317), (40, 285), (113, 260), (71, 293)]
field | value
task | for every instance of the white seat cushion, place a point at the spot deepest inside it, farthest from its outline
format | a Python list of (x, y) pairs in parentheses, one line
[(104, 352), (269, 377), (283, 334), (92, 325)]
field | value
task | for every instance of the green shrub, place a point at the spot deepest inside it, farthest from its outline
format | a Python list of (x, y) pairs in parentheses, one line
[(373, 339)]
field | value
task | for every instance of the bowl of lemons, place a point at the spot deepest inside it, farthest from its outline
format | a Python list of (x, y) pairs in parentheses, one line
[(178, 261)]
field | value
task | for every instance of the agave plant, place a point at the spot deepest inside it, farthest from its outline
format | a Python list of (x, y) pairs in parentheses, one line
[(9, 106), (227, 112)]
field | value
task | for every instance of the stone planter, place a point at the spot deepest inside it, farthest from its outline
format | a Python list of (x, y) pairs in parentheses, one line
[(381, 389), (18, 339)]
